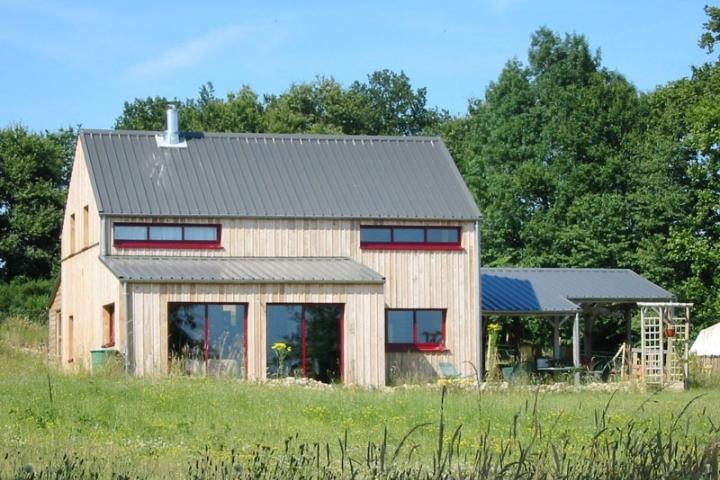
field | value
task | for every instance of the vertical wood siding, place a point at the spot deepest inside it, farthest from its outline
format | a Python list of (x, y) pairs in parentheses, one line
[(363, 359), (86, 284)]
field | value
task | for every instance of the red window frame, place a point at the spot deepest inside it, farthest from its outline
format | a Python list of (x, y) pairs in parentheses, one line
[(303, 333), (206, 330), (179, 244), (416, 346), (424, 245)]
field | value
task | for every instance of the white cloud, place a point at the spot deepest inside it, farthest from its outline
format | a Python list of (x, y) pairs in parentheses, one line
[(190, 52)]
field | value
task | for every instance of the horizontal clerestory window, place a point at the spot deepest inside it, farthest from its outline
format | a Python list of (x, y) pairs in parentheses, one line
[(415, 330), (410, 238), (156, 235)]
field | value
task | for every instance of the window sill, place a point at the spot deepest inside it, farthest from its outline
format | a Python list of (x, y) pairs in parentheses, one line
[(169, 245), (416, 349), (411, 246)]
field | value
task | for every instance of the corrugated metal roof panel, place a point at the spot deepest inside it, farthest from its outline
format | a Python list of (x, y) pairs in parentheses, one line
[(170, 269), (257, 175), (559, 290)]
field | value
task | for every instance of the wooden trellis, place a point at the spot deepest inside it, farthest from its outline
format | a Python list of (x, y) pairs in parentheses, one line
[(665, 343)]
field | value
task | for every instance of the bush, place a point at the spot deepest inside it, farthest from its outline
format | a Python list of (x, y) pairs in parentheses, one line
[(25, 297)]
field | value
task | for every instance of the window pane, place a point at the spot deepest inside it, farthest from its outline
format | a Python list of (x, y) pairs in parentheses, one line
[(429, 326), (399, 326), (166, 233), (130, 232), (283, 326), (186, 331), (442, 235), (201, 233), (371, 235), (409, 235), (226, 339), (323, 342)]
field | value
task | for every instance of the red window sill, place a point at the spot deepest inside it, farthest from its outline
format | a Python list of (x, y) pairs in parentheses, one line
[(410, 246), (428, 348), (169, 245)]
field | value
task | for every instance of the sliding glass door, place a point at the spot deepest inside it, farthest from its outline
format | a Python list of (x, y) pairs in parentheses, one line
[(305, 340), (208, 337)]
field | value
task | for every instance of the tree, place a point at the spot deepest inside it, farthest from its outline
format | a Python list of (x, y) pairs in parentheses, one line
[(548, 162), (711, 35), (34, 171)]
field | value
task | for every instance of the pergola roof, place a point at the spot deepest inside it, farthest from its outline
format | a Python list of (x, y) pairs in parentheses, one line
[(558, 291)]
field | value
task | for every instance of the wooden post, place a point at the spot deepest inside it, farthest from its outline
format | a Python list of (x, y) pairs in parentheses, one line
[(587, 334), (628, 340), (576, 346), (556, 337)]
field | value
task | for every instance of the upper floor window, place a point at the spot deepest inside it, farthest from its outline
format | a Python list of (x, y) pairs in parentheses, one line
[(162, 235), (410, 238)]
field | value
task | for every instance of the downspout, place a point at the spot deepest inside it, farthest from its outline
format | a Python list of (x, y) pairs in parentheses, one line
[(478, 320), (128, 351), (103, 236)]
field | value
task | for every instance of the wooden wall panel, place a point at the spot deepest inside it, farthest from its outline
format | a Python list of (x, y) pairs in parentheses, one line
[(414, 279), (86, 284), (363, 322)]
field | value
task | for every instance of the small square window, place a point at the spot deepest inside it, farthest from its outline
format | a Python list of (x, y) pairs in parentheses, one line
[(168, 234), (201, 234), (418, 330), (409, 235), (131, 232), (375, 235)]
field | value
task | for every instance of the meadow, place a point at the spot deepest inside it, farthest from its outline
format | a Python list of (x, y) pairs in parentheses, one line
[(107, 425)]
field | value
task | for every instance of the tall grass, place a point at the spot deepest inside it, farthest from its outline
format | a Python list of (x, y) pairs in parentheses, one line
[(55, 425)]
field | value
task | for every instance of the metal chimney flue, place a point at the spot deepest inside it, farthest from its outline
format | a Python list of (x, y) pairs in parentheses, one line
[(171, 136)]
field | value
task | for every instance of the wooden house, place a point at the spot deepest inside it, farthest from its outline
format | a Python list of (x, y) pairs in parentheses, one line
[(203, 251)]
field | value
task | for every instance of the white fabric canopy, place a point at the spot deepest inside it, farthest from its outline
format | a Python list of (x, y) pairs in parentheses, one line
[(707, 342)]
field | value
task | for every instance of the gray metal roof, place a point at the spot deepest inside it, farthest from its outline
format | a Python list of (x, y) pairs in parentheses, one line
[(170, 269), (258, 175), (560, 290)]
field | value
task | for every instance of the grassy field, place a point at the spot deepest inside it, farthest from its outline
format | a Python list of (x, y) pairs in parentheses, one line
[(165, 426)]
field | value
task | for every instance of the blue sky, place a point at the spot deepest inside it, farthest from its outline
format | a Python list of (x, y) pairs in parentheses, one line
[(77, 62)]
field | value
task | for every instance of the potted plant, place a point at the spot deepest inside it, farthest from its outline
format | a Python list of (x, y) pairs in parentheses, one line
[(669, 331)]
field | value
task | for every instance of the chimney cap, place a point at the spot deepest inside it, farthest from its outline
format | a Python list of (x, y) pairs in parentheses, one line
[(171, 136)]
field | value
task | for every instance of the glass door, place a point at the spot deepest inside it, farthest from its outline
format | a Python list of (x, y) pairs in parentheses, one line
[(305, 340)]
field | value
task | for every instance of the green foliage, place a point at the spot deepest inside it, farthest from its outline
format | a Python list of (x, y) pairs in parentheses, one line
[(34, 171), (386, 104), (711, 35), (25, 297)]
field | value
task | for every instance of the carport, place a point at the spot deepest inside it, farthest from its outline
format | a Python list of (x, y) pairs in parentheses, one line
[(566, 294)]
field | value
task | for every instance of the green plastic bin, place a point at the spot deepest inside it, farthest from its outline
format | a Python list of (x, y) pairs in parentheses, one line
[(100, 357)]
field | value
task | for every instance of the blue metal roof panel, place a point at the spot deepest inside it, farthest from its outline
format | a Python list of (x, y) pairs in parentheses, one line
[(560, 290)]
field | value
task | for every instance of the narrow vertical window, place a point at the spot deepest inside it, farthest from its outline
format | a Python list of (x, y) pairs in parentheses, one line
[(85, 222), (72, 233), (108, 326), (58, 334), (71, 338)]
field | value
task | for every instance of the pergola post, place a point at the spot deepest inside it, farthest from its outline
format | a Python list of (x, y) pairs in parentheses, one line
[(556, 338), (628, 339), (576, 346), (587, 334)]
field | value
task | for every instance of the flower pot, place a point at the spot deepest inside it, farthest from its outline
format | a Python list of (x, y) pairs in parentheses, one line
[(669, 332)]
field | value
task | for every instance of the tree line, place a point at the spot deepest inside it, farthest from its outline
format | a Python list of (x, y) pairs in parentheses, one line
[(570, 164)]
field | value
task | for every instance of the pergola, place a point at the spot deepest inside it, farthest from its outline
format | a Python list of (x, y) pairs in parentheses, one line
[(564, 294)]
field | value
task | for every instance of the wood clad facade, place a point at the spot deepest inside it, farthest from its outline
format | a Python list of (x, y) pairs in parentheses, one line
[(414, 279)]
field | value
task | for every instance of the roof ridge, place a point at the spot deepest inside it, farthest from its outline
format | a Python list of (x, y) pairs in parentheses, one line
[(268, 135)]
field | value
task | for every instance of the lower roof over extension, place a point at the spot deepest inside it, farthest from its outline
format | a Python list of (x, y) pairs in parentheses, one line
[(557, 291), (169, 269)]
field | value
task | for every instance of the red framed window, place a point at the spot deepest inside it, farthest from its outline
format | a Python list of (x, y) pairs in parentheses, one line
[(166, 235), (381, 237), (420, 330)]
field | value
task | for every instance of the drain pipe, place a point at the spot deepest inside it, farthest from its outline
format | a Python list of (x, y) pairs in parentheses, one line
[(128, 351), (479, 318)]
